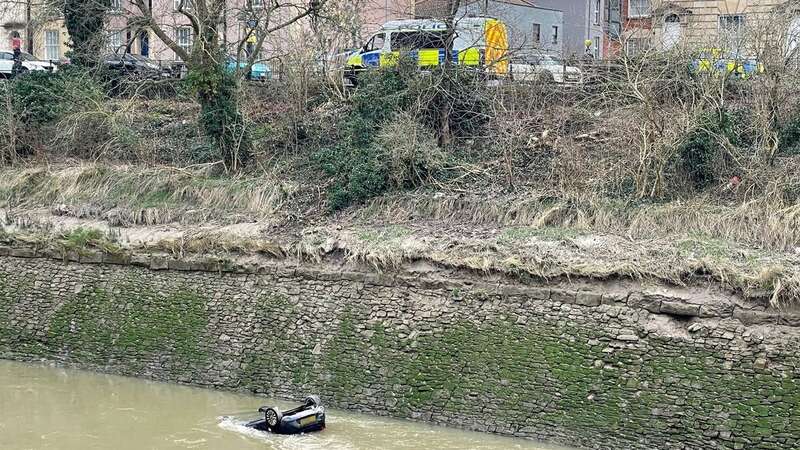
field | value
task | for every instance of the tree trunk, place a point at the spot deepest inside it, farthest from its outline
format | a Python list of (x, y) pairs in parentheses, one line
[(218, 94), (220, 117), (445, 108)]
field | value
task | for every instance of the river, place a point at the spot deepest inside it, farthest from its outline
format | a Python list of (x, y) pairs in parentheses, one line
[(44, 407)]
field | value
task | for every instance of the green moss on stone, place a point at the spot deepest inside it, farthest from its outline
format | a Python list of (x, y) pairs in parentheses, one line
[(132, 322)]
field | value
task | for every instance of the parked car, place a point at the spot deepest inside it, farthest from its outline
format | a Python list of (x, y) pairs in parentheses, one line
[(260, 71), (308, 417), (716, 62), (136, 66), (544, 68), (29, 63), (480, 42)]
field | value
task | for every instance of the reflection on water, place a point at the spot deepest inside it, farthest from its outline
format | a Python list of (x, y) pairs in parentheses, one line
[(44, 407)]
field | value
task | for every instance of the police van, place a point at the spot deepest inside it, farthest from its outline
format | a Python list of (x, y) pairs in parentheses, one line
[(478, 42)]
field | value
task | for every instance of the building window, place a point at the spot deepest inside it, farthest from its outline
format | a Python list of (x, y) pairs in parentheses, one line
[(636, 46), (732, 30), (733, 22), (187, 5), (376, 43), (116, 5), (114, 40), (638, 8), (597, 47), (598, 16), (52, 48), (555, 35), (537, 33), (185, 39)]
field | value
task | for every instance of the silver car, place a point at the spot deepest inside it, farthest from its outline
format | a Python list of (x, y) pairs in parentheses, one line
[(544, 68)]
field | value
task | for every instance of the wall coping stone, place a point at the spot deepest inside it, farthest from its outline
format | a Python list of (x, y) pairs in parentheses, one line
[(660, 302)]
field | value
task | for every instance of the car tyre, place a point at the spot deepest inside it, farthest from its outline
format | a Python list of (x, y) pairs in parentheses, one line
[(313, 400), (273, 418)]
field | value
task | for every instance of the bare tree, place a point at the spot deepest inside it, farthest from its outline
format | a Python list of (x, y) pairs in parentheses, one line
[(216, 90)]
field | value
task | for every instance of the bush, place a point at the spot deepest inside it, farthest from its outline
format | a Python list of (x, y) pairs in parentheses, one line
[(700, 154), (386, 137), (354, 159), (42, 97), (409, 151), (789, 137)]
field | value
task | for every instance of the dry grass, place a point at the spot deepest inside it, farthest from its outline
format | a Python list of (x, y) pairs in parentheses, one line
[(759, 223), (133, 195), (216, 244), (549, 253), (543, 253)]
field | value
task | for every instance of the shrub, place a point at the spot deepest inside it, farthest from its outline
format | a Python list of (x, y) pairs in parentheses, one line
[(42, 97), (700, 153), (354, 160), (386, 138), (409, 151), (789, 137)]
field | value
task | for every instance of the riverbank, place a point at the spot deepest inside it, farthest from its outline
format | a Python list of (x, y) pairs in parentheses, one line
[(588, 364), (751, 249)]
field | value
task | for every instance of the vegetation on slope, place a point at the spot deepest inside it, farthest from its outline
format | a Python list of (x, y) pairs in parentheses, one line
[(679, 175)]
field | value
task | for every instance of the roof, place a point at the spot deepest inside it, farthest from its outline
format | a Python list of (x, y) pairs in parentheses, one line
[(439, 8), (511, 2), (432, 24)]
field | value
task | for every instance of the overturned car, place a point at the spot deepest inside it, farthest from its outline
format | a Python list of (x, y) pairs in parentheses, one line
[(308, 417)]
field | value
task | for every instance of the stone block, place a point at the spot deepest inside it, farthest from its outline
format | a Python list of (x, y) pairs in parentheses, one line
[(610, 298), (159, 263), (140, 260), (716, 310), (640, 301), (22, 252), (628, 337), (116, 258), (52, 254), (538, 293), (91, 258), (351, 276), (790, 320), (179, 264), (751, 317), (4, 251), (679, 308), (585, 298), (563, 296)]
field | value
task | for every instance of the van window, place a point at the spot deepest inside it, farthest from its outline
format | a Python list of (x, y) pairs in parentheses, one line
[(376, 43), (415, 40)]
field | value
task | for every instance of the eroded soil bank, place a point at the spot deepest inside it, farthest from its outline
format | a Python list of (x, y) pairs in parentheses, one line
[(594, 364)]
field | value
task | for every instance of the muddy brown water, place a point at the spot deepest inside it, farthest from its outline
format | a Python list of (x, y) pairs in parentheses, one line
[(45, 407)]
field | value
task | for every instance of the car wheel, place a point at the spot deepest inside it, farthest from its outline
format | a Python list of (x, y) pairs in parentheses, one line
[(272, 417), (313, 400)]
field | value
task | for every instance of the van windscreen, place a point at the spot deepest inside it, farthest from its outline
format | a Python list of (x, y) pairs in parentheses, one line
[(415, 40)]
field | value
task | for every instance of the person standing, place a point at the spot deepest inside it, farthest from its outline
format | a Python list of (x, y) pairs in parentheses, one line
[(16, 47)]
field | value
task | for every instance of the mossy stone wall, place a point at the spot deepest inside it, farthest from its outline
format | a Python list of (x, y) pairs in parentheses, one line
[(590, 368)]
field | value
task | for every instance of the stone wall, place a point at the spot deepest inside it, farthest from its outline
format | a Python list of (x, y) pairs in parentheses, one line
[(604, 365)]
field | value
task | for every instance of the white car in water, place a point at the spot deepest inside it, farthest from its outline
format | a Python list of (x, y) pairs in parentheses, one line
[(544, 68), (29, 63)]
